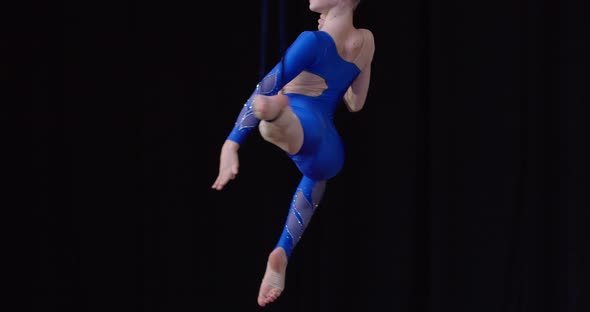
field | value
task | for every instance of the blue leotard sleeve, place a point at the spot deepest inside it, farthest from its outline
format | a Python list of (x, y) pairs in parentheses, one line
[(301, 54)]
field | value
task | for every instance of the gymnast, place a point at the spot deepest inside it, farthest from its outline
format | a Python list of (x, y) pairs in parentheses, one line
[(293, 108)]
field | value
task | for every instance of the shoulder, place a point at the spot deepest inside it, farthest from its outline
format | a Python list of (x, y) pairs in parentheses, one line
[(368, 37), (305, 47), (368, 42), (309, 36), (305, 40)]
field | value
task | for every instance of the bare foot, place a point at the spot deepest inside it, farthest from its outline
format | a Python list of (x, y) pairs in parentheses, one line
[(269, 108), (273, 281)]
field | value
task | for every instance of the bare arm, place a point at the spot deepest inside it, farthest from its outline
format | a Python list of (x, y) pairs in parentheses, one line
[(356, 95)]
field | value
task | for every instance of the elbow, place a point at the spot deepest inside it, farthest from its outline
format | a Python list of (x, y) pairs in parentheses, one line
[(352, 103), (354, 108)]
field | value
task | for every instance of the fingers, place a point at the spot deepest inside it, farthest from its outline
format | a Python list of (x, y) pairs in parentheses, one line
[(217, 184), (220, 182), (224, 177)]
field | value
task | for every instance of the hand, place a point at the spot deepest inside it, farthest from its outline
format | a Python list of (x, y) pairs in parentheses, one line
[(228, 164)]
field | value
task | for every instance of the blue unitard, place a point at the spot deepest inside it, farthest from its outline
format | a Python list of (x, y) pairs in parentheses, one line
[(321, 156)]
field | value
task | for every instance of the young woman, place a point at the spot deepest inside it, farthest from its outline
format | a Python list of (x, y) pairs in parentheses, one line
[(293, 107)]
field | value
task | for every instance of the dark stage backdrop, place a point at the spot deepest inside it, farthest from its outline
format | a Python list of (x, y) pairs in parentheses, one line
[(465, 186)]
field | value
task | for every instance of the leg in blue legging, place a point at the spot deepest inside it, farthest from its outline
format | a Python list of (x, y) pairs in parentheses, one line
[(303, 205), (305, 201)]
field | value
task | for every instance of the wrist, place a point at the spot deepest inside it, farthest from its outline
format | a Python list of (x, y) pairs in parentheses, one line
[(231, 145)]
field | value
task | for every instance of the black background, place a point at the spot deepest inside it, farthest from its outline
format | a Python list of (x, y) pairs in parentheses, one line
[(465, 186)]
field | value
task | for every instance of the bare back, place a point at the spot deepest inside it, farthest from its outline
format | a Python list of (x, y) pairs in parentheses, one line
[(355, 47)]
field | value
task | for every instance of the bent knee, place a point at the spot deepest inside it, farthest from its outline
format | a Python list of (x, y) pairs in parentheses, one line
[(285, 133), (270, 131)]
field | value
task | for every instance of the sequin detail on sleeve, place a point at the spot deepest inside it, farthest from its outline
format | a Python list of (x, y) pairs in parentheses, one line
[(246, 120)]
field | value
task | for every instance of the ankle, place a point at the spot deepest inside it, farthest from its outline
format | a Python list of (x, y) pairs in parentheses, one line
[(278, 258)]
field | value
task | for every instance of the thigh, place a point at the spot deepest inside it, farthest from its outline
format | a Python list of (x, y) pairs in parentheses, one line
[(321, 155)]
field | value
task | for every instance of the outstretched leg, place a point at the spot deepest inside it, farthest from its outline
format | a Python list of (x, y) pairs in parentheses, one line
[(305, 200)]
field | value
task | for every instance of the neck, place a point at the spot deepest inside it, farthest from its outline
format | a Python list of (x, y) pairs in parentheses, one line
[(338, 21)]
